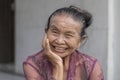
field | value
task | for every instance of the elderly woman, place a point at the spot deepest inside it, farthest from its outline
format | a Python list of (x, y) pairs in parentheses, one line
[(59, 59)]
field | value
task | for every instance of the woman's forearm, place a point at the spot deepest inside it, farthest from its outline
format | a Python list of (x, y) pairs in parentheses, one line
[(58, 72)]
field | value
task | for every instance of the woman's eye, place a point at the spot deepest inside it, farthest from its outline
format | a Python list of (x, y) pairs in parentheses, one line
[(69, 36), (54, 32)]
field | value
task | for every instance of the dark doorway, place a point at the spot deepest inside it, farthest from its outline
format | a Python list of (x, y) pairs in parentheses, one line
[(6, 31)]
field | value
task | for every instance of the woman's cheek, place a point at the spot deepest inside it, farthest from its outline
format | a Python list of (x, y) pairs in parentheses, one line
[(51, 37)]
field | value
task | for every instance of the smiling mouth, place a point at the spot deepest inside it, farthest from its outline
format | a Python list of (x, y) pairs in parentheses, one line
[(59, 49)]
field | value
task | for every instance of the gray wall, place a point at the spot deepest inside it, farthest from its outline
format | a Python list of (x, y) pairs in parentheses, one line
[(31, 17)]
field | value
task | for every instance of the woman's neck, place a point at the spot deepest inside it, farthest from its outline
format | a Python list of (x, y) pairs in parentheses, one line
[(66, 61)]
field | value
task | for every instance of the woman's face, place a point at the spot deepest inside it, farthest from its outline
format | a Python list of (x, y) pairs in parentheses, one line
[(64, 35)]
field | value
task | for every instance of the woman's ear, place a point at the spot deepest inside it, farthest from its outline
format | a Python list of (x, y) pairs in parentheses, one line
[(82, 40)]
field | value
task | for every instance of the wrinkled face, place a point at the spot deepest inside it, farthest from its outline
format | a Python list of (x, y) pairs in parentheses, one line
[(64, 35)]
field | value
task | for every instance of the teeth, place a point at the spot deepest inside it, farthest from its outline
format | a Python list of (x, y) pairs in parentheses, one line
[(59, 49)]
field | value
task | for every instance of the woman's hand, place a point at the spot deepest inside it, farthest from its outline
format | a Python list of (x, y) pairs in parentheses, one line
[(54, 59)]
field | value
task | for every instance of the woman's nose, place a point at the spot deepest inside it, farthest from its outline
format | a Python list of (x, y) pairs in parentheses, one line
[(60, 40)]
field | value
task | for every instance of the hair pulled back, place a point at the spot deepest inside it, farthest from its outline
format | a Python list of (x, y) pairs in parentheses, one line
[(76, 13)]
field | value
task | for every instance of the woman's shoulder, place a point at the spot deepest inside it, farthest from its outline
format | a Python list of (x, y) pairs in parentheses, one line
[(34, 59), (88, 62), (31, 62), (34, 56), (86, 58)]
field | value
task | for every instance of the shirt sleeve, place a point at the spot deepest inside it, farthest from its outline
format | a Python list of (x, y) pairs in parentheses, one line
[(31, 72), (97, 73)]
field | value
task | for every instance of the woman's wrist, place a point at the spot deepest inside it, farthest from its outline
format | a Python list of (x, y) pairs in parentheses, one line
[(58, 72), (57, 63)]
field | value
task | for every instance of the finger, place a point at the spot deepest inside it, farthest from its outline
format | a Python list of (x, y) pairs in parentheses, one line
[(49, 49), (48, 45), (44, 40), (52, 56)]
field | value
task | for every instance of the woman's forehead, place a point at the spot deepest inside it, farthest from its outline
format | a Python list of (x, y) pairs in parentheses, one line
[(66, 23), (65, 20)]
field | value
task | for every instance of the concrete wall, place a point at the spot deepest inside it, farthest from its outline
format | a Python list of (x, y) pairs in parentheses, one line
[(31, 17)]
